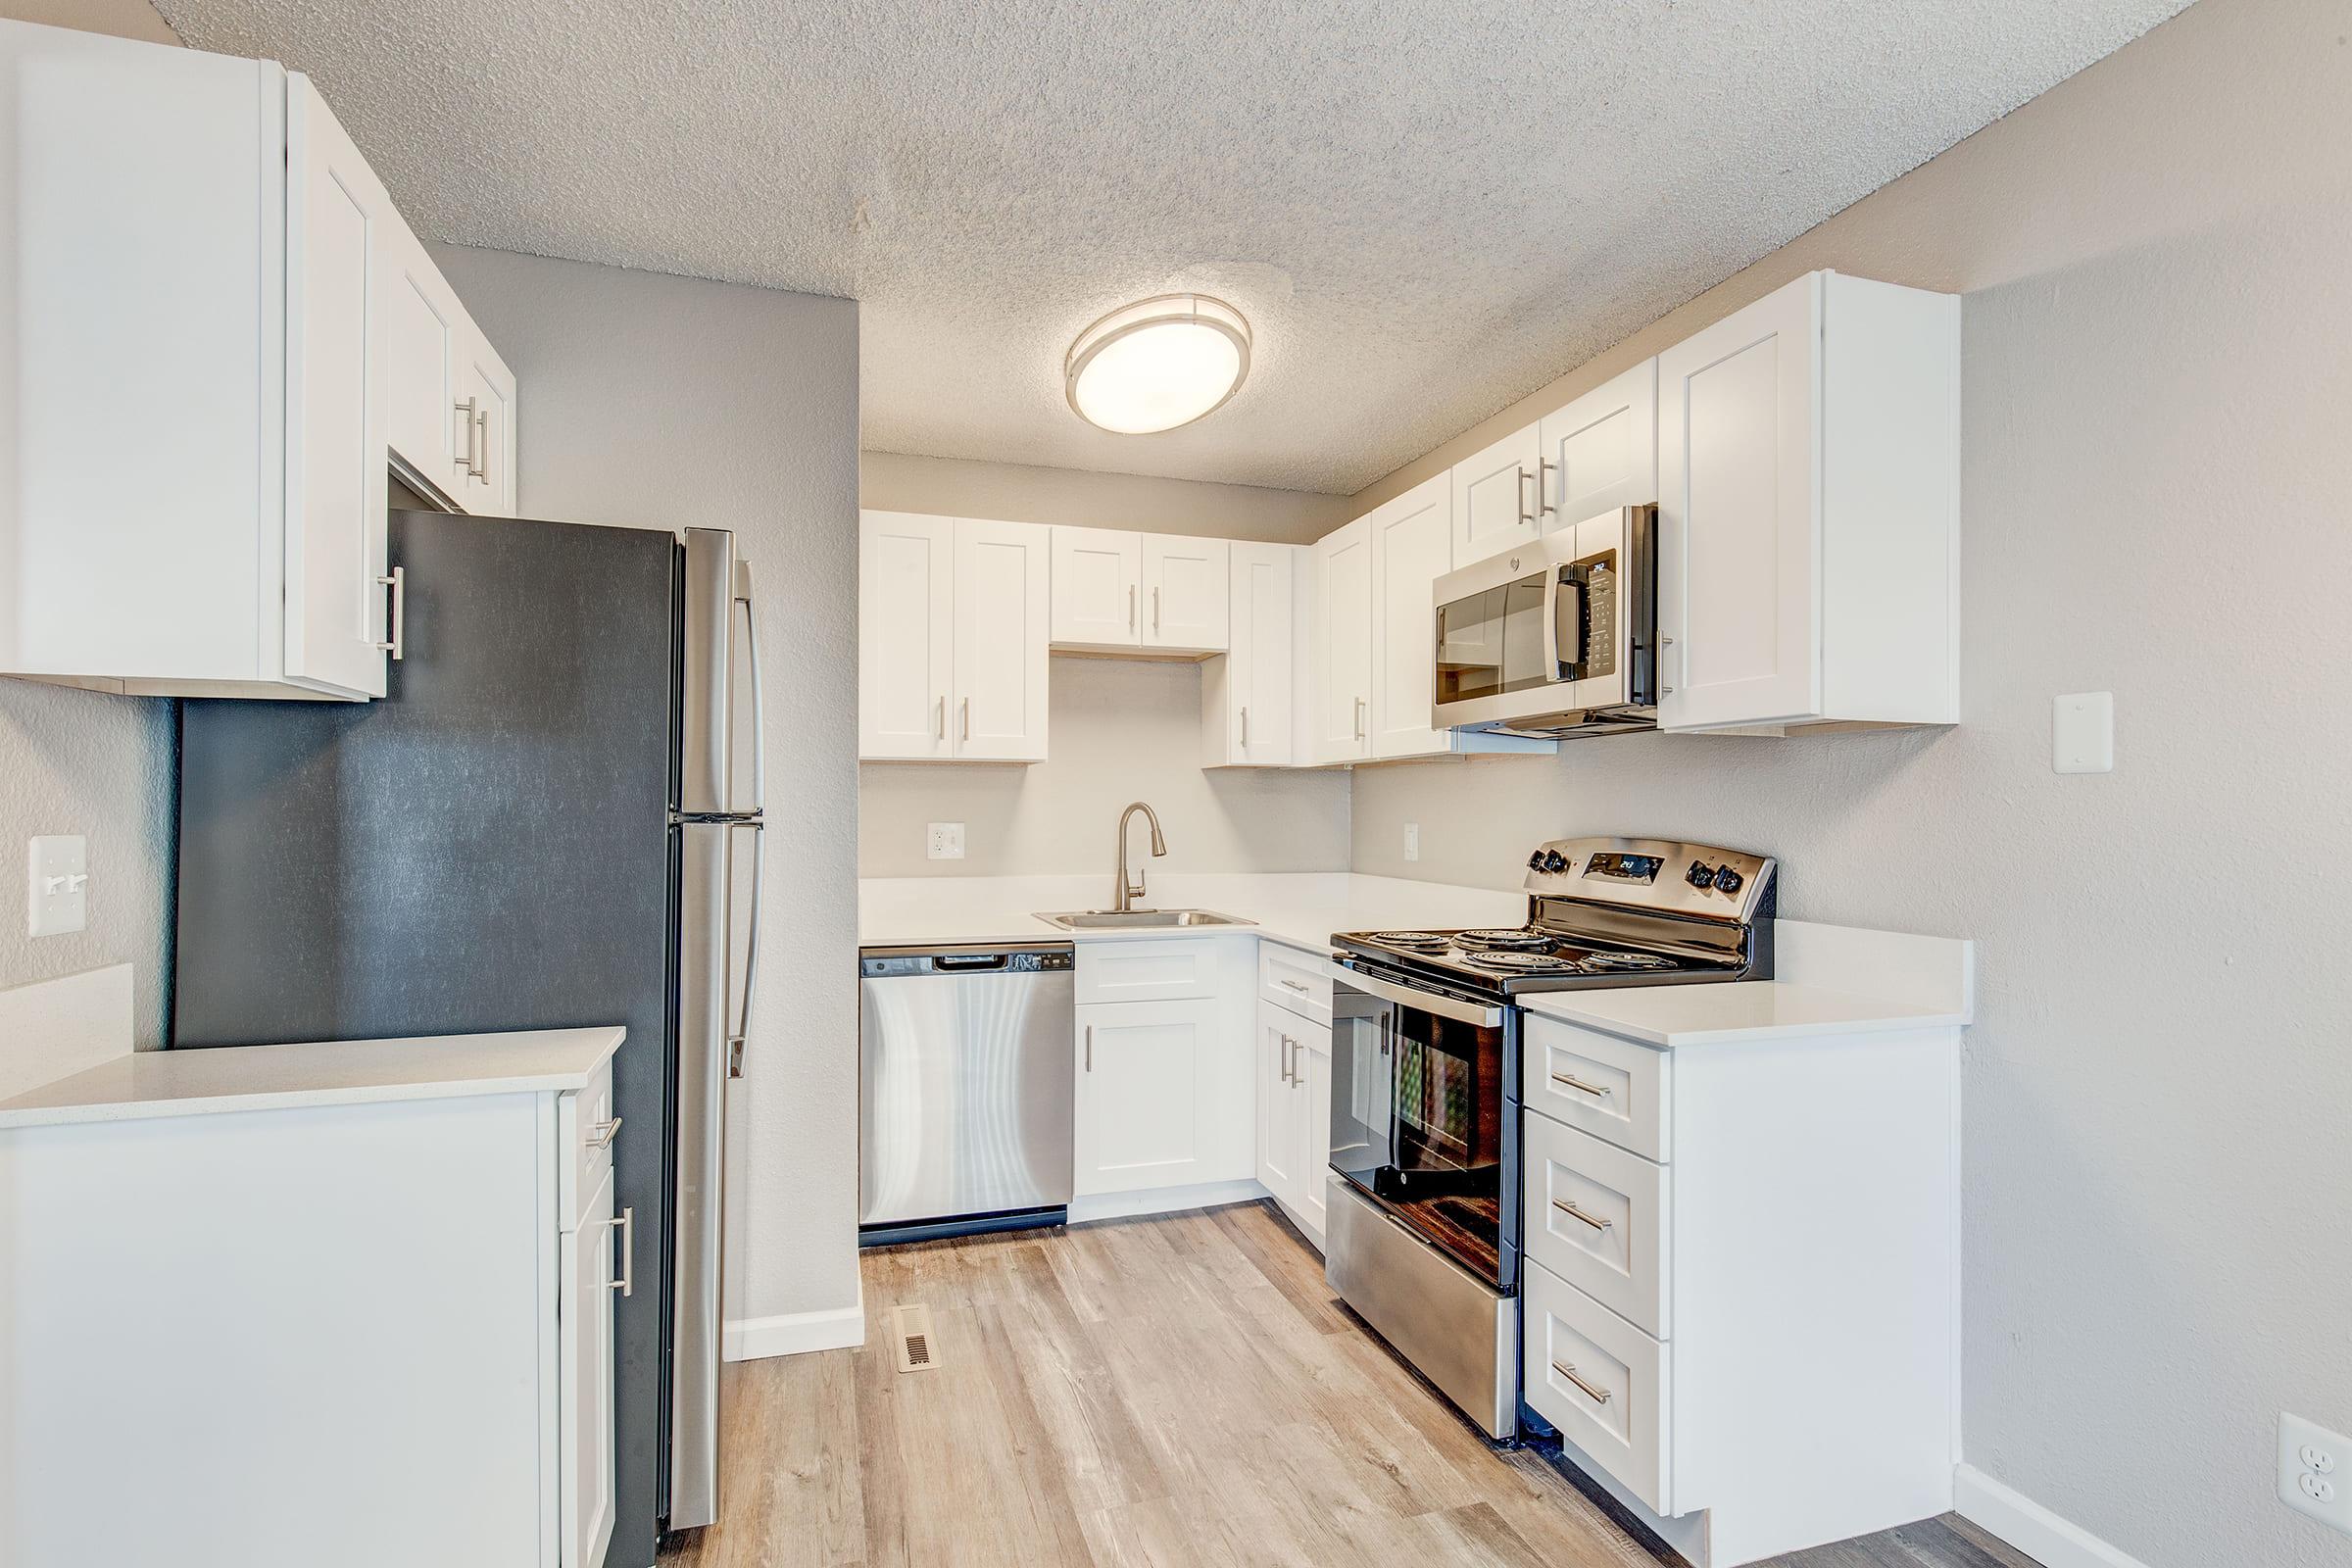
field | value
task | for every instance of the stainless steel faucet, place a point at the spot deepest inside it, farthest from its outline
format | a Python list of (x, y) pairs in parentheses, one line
[(1126, 894)]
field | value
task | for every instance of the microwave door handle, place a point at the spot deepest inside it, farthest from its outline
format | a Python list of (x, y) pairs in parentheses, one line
[(1563, 600)]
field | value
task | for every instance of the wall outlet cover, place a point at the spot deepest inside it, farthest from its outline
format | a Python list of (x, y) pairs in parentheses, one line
[(944, 842), (2082, 733), (57, 892), (2313, 1474), (1412, 840)]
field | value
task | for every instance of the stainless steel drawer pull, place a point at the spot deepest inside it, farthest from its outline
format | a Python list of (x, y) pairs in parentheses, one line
[(602, 1133), (626, 1285), (1573, 1212), (1294, 986), (1597, 1395), (1580, 1086)]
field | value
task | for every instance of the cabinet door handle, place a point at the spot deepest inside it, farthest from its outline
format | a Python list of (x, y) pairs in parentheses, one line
[(1574, 1082), (1090, 1048), (626, 1285), (1573, 1212), (472, 462), (483, 473), (1283, 1053), (1359, 718), (1598, 1396), (398, 613), (967, 719), (1131, 606), (602, 1133), (943, 718), (1665, 691), (1526, 515), (1156, 612), (1543, 506), (1245, 726)]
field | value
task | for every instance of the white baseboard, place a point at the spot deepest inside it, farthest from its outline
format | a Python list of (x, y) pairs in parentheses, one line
[(754, 1339), (2029, 1526), (1164, 1201)]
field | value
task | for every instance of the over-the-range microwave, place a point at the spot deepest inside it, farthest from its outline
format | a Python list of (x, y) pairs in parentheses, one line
[(1557, 637)]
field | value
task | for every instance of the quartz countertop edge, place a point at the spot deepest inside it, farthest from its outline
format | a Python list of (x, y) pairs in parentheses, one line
[(1723, 1014), (147, 1085)]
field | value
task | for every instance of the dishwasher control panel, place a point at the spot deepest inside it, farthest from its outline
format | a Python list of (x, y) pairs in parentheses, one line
[(880, 964)]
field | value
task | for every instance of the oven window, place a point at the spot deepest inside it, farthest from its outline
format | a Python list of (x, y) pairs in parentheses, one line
[(1491, 642), (1417, 1122)]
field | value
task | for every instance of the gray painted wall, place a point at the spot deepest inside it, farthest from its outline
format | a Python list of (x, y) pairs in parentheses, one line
[(1119, 730), (658, 401), (959, 487), (2158, 502)]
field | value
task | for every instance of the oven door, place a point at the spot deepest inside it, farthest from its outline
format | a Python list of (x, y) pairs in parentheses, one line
[(1424, 1114)]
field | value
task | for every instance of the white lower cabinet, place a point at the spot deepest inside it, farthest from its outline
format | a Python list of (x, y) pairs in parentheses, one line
[(1294, 1114), (373, 1333), (1751, 1344), (1164, 1095)]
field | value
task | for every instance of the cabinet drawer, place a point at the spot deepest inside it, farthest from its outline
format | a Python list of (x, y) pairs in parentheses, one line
[(1599, 1218), (1607, 1385), (1294, 980), (1146, 971), (585, 1127), (1610, 1088)]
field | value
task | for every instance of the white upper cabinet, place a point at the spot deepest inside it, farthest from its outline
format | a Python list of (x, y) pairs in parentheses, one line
[(1411, 549), (1808, 510), (1185, 596), (1341, 604), (905, 634), (486, 392), (1249, 698), (1001, 617), (1098, 588), (952, 623), (452, 419), (1600, 452), (1497, 497), (214, 329)]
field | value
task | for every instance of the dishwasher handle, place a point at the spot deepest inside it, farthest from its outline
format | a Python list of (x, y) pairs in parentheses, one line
[(972, 961)]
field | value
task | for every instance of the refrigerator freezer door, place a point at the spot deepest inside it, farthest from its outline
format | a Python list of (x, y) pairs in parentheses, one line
[(705, 760)]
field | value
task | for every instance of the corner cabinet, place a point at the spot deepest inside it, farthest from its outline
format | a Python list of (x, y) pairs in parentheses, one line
[(1808, 510), (194, 247), (952, 620)]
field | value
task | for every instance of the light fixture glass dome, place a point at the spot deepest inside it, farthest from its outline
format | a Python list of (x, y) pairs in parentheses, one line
[(1157, 364)]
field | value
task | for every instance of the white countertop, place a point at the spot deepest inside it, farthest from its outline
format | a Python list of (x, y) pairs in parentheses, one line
[(1300, 909), (149, 1084), (1758, 1009)]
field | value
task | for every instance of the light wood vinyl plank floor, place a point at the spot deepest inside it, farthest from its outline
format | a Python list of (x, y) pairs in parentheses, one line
[(1170, 1393)]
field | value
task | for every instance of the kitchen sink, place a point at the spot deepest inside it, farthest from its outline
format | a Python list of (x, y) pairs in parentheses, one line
[(1139, 920)]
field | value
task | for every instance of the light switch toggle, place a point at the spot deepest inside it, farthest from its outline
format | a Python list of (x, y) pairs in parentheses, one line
[(58, 889)]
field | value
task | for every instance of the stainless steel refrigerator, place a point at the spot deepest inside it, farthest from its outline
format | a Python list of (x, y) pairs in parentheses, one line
[(547, 820)]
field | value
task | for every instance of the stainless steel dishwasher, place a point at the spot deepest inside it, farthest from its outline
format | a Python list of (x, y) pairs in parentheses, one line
[(969, 1071)]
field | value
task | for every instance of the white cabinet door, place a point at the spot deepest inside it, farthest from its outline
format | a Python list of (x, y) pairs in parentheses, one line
[(1410, 549), (487, 389), (1001, 616), (424, 330), (1739, 519), (1278, 1138), (1343, 643), (1259, 672), (905, 634), (584, 1395), (1601, 451), (1148, 1076), (1186, 587), (1311, 1072), (336, 606), (1097, 587), (1497, 495)]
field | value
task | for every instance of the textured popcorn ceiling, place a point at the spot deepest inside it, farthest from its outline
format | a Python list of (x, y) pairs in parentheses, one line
[(1427, 207)]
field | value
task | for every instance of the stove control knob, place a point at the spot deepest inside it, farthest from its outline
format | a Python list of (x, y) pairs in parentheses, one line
[(1729, 880), (1700, 874), (1534, 861), (1554, 860)]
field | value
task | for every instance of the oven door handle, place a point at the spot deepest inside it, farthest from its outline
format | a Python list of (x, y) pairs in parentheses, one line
[(1432, 1001)]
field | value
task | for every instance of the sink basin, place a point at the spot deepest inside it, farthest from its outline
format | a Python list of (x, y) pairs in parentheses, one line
[(1139, 920)]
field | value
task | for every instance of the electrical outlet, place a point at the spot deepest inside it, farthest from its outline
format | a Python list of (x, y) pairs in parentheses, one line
[(58, 888), (2311, 1474), (944, 842), (1412, 840)]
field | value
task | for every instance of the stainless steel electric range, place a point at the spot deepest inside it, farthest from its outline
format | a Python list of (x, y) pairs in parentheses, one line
[(1423, 1228)]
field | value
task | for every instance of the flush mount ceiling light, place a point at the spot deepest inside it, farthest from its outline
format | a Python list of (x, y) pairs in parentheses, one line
[(1157, 364)]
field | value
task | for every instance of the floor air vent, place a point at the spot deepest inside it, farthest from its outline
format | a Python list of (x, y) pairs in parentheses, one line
[(914, 1339)]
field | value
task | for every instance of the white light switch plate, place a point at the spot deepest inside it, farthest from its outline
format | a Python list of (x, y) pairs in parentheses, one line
[(2082, 733), (58, 891), (944, 842), (1412, 840), (2315, 1472)]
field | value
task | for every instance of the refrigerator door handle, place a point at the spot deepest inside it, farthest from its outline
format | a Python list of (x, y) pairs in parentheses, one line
[(742, 1023), (750, 946), (751, 639)]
